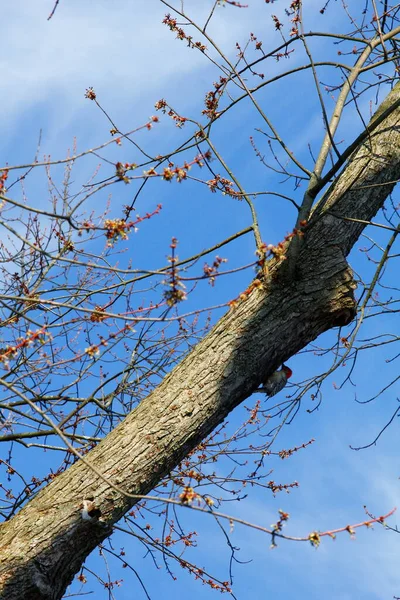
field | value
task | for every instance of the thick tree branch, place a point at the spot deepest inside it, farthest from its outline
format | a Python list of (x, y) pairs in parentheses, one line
[(44, 545)]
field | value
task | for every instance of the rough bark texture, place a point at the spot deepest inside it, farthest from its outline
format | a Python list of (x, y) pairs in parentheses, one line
[(44, 545)]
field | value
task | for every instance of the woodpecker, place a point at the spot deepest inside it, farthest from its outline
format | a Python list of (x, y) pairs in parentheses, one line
[(277, 381)]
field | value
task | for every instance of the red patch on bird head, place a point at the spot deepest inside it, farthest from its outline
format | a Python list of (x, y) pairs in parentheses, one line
[(288, 371)]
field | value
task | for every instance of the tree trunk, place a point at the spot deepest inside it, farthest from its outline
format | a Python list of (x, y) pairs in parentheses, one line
[(45, 544)]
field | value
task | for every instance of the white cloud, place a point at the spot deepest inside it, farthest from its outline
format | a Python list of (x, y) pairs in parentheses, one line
[(121, 49)]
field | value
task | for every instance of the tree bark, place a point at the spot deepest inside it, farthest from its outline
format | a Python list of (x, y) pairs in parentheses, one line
[(45, 544)]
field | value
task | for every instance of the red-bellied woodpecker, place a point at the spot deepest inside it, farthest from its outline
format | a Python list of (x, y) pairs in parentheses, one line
[(277, 381)]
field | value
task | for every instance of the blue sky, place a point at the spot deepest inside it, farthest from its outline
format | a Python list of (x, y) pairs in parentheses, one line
[(132, 60)]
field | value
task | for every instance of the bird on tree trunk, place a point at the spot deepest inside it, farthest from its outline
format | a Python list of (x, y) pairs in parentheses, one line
[(277, 381)]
